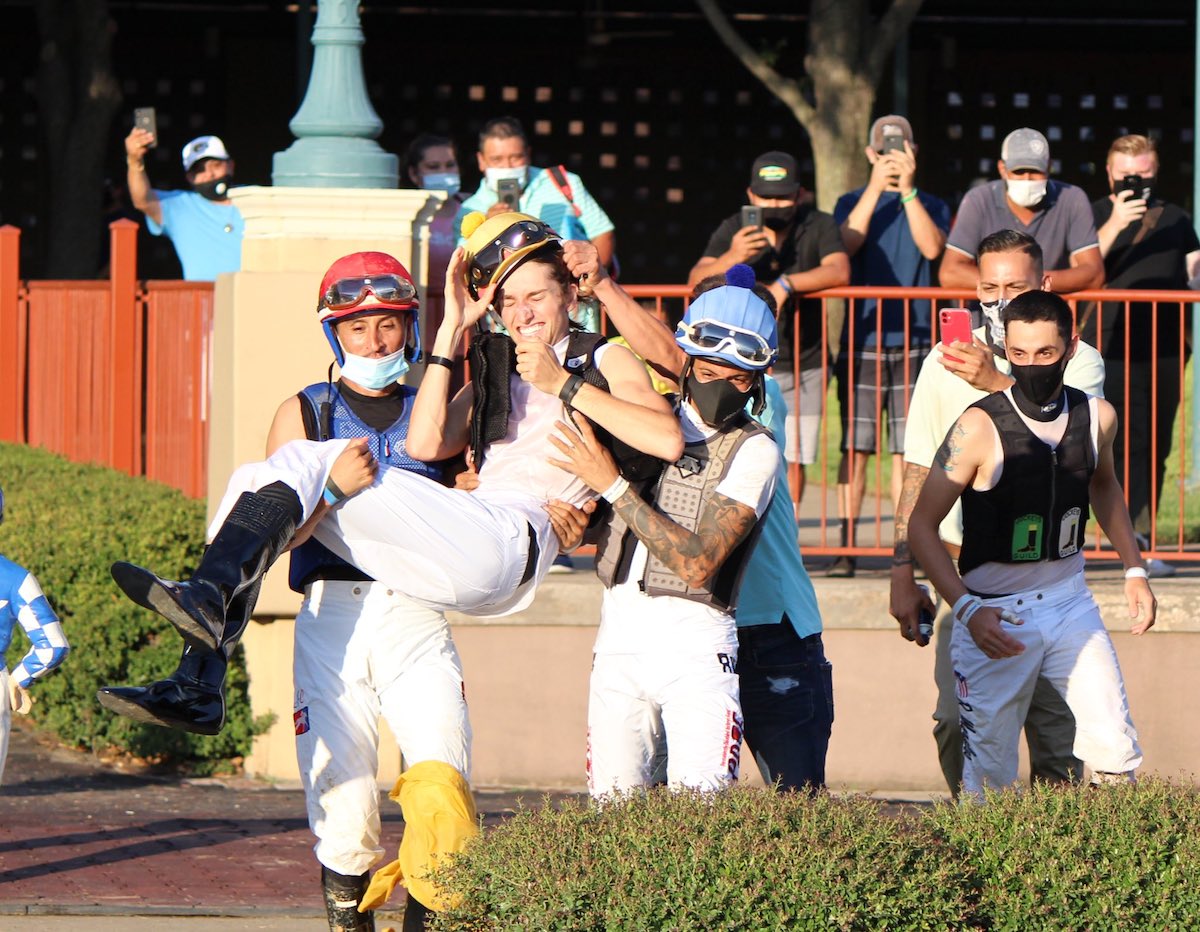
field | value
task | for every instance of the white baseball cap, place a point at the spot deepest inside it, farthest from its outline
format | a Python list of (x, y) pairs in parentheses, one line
[(204, 147)]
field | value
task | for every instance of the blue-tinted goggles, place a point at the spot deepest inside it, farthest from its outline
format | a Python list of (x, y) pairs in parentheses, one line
[(712, 336)]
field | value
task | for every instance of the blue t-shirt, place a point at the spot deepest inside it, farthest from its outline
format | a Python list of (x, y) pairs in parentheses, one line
[(890, 258), (542, 199), (775, 581), (207, 236)]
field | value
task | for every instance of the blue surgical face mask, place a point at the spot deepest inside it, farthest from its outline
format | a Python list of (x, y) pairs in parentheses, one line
[(450, 182), (375, 373), (496, 174)]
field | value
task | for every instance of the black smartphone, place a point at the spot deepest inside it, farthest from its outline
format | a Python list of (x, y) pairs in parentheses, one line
[(892, 142), (1137, 184), (145, 118), (509, 190), (752, 216)]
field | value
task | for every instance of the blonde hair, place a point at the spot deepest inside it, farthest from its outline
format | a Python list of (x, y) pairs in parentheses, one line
[(1133, 145)]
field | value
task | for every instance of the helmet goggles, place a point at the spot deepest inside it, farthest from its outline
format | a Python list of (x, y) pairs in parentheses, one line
[(710, 337), (520, 236), (346, 293)]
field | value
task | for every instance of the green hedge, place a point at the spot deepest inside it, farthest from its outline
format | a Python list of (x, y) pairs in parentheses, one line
[(67, 523), (1060, 858)]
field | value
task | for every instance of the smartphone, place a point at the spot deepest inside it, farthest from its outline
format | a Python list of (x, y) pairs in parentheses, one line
[(892, 142), (145, 118), (752, 216), (954, 325), (509, 190), (1137, 184)]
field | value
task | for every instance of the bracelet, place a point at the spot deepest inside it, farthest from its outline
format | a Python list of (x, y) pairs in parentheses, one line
[(1137, 572), (911, 195), (783, 283), (446, 361), (619, 487), (332, 493), (570, 388), (965, 608)]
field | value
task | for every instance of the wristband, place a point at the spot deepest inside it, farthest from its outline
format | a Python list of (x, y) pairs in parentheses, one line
[(1137, 572), (619, 487), (966, 606), (783, 283), (446, 361), (570, 388), (332, 493), (909, 196)]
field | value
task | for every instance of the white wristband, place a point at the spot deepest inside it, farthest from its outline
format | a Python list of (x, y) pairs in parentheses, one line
[(616, 490), (966, 606), (1136, 572)]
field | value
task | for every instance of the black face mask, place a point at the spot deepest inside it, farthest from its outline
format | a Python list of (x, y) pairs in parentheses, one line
[(776, 218), (1040, 388), (215, 190), (717, 402)]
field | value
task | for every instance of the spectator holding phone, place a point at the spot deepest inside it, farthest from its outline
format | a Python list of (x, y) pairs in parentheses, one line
[(203, 224), (554, 195), (1054, 213), (796, 249), (893, 234), (1146, 243)]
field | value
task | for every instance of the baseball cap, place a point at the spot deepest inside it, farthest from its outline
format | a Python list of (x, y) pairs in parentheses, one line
[(891, 125), (774, 175), (204, 147), (1026, 148)]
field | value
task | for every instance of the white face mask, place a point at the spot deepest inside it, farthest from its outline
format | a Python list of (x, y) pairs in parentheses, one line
[(375, 373), (496, 174), (991, 313), (442, 181), (1026, 193)]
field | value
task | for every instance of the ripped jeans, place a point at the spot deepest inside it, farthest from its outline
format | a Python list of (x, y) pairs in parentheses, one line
[(787, 703)]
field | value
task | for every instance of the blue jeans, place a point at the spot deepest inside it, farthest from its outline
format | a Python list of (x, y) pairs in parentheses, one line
[(787, 703)]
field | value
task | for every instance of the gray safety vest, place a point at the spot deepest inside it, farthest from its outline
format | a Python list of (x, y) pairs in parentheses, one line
[(681, 493)]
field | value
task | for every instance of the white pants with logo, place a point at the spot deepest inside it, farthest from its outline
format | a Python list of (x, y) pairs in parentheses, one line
[(1065, 642), (639, 702), (362, 650)]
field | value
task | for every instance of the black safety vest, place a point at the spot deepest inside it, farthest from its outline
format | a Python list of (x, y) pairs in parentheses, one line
[(1039, 508)]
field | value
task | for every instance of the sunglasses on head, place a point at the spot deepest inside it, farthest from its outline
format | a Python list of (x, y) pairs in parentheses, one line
[(716, 337), (348, 292), (520, 235)]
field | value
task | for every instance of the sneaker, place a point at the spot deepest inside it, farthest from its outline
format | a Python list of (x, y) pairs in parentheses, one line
[(562, 564), (842, 568)]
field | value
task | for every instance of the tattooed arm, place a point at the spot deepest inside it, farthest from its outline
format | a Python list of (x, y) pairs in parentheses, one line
[(905, 598)]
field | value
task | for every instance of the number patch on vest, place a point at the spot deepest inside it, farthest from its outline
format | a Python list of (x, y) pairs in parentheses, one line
[(1027, 538)]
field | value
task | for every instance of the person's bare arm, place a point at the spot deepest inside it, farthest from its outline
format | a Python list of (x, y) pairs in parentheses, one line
[(832, 272), (1108, 504), (906, 600), (142, 196), (958, 270), (695, 557), (1126, 209), (747, 243), (1086, 272), (975, 364), (606, 244)]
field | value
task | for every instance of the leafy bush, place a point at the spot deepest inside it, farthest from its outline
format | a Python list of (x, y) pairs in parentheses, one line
[(67, 523), (1050, 858)]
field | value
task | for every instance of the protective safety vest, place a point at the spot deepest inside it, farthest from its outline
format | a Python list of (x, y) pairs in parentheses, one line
[(327, 414), (1039, 508), (683, 490)]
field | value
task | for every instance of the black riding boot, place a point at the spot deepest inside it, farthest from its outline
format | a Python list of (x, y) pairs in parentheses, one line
[(256, 532), (414, 915), (342, 896), (193, 697)]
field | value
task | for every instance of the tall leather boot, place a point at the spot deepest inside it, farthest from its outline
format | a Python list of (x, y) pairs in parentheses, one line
[(192, 698), (414, 915), (343, 893), (256, 532)]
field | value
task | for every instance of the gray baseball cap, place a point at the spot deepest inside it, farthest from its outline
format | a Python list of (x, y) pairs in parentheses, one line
[(1026, 148)]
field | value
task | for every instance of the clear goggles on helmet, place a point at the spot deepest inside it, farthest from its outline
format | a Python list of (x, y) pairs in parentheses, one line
[(713, 336), (346, 293), (521, 235)]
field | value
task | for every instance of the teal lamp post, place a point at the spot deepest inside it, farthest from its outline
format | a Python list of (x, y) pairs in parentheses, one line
[(336, 126)]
